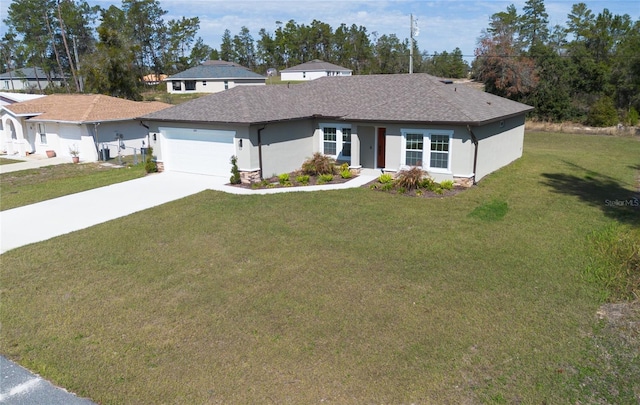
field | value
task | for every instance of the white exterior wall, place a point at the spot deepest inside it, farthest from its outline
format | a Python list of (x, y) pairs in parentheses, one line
[(310, 75), (62, 136), (213, 86), (501, 148), (18, 84)]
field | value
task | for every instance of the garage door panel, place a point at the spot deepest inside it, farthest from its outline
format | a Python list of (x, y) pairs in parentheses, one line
[(198, 151)]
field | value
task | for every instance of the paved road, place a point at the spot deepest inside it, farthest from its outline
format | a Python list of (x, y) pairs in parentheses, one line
[(20, 387)]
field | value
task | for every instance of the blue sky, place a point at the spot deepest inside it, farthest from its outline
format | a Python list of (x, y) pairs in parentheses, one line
[(443, 25)]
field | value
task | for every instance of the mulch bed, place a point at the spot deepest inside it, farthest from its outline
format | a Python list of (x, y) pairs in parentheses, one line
[(421, 193), (273, 182)]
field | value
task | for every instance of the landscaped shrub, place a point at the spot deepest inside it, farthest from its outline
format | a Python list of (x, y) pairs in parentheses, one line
[(235, 173), (428, 184), (346, 174), (410, 178), (385, 178), (318, 164), (150, 165), (303, 179), (325, 178), (283, 178), (446, 184)]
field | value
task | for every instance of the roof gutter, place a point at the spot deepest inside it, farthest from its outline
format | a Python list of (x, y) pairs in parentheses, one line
[(475, 153), (260, 150)]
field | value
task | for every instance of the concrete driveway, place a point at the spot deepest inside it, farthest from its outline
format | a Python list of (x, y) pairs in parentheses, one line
[(41, 221)]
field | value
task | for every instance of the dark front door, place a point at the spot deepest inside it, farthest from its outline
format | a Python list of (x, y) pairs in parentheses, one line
[(382, 146)]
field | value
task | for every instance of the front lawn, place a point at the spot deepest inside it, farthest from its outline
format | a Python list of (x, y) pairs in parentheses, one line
[(31, 186), (7, 161), (350, 296)]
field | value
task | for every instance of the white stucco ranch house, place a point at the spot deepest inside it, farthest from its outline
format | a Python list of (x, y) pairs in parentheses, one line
[(213, 76), (85, 122), (385, 122), (312, 70)]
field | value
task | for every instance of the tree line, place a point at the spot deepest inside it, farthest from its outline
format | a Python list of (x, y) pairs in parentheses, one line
[(134, 40), (588, 70)]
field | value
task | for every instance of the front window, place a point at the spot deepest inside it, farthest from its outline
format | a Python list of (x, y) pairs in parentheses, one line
[(190, 85), (439, 151), (429, 149), (177, 86), (346, 142), (414, 145), (330, 141), (43, 133)]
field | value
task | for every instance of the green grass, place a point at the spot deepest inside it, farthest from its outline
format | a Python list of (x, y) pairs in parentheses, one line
[(350, 296), (8, 161), (31, 186)]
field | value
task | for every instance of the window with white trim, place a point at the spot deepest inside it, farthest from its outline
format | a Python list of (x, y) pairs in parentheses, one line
[(429, 149), (190, 85), (439, 152), (42, 132), (177, 86), (329, 135), (336, 141), (413, 148), (346, 142)]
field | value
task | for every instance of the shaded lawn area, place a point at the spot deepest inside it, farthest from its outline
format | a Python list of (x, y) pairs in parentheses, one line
[(348, 296), (31, 186)]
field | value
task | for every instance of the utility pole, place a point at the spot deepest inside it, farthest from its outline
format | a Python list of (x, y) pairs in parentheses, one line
[(411, 45), (413, 32)]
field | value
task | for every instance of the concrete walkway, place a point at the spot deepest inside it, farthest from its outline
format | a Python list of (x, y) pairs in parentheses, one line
[(30, 162)]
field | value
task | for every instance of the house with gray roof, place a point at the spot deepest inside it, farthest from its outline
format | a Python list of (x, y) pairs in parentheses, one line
[(28, 79), (385, 122), (213, 76), (314, 69)]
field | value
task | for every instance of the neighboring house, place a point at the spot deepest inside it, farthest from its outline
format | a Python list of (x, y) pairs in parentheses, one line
[(385, 122), (152, 79), (213, 76), (12, 98), (28, 79), (314, 69), (87, 122)]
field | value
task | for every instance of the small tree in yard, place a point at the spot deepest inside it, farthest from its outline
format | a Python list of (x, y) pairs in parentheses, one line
[(150, 165), (235, 173)]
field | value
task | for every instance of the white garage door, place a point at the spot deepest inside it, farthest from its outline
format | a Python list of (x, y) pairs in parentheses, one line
[(202, 151)]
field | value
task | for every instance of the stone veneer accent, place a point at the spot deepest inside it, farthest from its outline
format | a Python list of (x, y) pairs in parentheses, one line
[(463, 181), (250, 177), (160, 166)]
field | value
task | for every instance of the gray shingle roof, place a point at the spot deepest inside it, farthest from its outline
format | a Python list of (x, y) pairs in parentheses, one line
[(316, 65), (382, 98), (216, 71), (29, 73)]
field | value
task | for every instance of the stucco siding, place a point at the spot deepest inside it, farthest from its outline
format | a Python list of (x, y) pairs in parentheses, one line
[(499, 144), (285, 146)]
